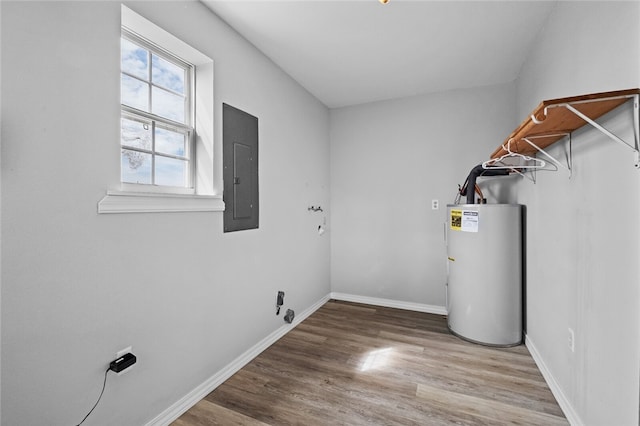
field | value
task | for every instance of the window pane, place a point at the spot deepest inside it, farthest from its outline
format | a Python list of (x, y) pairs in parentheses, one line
[(134, 59), (168, 105), (135, 167), (171, 172), (167, 75), (170, 142), (135, 134), (134, 93)]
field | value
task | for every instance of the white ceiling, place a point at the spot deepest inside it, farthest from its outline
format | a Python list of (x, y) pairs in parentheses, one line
[(348, 52)]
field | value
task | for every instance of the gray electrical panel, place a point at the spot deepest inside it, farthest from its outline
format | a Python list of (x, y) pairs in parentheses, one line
[(240, 169)]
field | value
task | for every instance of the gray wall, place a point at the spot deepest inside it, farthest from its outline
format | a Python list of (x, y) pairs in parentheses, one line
[(583, 232), (74, 282), (388, 161), (78, 286)]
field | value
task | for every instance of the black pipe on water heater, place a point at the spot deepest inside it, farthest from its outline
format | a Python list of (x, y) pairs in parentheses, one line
[(469, 188)]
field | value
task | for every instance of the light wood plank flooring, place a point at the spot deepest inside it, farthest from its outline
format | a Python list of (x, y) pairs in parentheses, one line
[(352, 364)]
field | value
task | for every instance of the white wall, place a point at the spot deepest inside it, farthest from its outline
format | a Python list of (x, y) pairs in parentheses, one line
[(78, 286), (583, 232), (388, 161)]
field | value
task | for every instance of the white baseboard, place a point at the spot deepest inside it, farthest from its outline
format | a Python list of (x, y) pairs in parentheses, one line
[(563, 401), (388, 303), (180, 407)]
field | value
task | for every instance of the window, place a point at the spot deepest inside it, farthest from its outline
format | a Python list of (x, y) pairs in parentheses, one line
[(156, 132), (166, 144)]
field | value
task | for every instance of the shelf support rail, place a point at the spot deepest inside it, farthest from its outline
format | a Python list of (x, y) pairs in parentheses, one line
[(549, 156), (615, 138)]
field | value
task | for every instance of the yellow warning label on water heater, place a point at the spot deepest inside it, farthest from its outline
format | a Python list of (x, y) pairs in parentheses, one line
[(456, 220), (464, 220)]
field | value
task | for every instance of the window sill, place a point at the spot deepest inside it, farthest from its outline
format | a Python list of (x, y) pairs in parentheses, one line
[(132, 202)]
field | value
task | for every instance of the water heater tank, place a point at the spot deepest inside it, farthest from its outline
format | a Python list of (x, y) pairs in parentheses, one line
[(484, 289)]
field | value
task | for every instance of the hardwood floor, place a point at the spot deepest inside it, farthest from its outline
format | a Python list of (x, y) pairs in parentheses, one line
[(351, 364)]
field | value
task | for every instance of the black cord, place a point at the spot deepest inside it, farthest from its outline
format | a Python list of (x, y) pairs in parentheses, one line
[(104, 384)]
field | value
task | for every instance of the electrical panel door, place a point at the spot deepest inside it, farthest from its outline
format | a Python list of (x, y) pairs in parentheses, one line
[(240, 174)]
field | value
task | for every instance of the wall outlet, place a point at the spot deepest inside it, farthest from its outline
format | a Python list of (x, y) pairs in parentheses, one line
[(124, 351), (119, 355), (571, 340), (435, 205)]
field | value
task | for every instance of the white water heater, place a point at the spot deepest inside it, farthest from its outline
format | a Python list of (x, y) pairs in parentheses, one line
[(484, 288)]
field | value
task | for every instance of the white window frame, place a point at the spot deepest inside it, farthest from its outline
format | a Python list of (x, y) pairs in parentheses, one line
[(207, 181), (158, 121)]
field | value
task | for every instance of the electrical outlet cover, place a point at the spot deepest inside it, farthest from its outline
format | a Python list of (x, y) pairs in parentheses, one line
[(124, 351), (572, 340)]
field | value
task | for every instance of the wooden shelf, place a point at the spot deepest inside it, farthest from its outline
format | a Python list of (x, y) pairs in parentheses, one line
[(552, 120)]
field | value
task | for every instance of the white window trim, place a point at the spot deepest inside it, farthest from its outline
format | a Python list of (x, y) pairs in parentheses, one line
[(132, 202), (125, 198)]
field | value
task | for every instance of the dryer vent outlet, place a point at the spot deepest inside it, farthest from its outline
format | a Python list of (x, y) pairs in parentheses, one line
[(288, 317)]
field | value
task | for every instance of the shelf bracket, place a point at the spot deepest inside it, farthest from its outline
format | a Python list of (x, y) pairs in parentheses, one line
[(609, 134), (636, 125), (549, 156), (532, 178)]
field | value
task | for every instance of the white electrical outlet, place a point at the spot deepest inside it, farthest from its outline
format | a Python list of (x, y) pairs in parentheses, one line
[(435, 205), (119, 354), (124, 351), (571, 340)]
